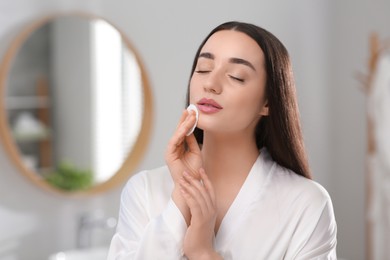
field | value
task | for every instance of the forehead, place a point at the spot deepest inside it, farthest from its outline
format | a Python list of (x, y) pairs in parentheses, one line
[(228, 44)]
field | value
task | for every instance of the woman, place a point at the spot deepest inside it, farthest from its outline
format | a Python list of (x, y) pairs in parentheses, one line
[(240, 186)]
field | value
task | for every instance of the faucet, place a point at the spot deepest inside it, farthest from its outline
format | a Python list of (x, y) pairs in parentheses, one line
[(90, 221)]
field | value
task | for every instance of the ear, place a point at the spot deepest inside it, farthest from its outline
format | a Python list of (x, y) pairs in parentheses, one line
[(264, 111)]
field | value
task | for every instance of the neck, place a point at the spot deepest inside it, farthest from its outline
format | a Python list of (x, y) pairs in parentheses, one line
[(228, 156)]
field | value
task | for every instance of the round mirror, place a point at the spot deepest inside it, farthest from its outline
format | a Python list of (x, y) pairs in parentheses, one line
[(75, 104)]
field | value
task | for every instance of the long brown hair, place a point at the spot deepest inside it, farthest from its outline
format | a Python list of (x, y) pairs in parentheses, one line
[(280, 132)]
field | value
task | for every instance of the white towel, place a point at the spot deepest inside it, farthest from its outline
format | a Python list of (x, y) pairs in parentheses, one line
[(379, 111), (379, 108)]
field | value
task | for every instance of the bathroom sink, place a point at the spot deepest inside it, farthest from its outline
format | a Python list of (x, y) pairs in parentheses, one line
[(98, 253)]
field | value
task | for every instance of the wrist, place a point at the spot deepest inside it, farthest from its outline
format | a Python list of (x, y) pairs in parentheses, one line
[(181, 204), (213, 255)]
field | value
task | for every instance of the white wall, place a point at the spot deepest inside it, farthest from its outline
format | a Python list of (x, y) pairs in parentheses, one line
[(326, 43)]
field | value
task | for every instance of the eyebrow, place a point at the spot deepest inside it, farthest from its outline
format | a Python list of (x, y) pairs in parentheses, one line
[(208, 55)]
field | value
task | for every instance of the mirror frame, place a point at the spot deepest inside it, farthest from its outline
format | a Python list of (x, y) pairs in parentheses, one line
[(135, 155)]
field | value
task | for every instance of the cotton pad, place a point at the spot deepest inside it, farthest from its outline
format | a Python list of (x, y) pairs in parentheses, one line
[(189, 108)]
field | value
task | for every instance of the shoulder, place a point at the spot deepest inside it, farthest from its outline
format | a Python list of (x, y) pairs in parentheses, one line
[(308, 209), (149, 175), (148, 191), (299, 183), (288, 183), (301, 191), (147, 180), (304, 201)]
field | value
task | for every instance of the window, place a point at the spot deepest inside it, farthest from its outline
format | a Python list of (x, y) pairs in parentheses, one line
[(116, 100)]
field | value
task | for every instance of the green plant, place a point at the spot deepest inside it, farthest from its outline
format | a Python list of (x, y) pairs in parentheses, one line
[(69, 177)]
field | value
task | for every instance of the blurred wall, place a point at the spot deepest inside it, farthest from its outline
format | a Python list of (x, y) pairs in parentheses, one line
[(352, 23), (327, 42)]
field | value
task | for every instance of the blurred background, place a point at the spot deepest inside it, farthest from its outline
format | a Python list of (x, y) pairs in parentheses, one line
[(329, 44)]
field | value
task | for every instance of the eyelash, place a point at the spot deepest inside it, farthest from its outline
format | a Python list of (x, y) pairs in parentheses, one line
[(201, 71), (238, 79), (232, 77)]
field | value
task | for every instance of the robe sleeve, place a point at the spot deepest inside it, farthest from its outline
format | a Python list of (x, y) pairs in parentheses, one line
[(316, 235), (140, 236)]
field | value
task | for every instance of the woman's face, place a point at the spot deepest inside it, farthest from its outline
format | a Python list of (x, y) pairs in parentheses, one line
[(228, 84)]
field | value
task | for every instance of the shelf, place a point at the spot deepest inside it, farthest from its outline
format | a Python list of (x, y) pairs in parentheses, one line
[(27, 102), (21, 138)]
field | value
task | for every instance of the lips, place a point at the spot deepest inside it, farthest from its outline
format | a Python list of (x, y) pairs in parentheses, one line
[(209, 102), (208, 105)]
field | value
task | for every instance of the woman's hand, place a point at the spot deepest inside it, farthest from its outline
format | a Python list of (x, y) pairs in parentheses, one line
[(183, 152), (183, 155), (200, 198)]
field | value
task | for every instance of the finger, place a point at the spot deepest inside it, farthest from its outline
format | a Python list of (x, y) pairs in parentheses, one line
[(196, 184), (196, 200), (196, 191), (193, 145), (190, 123), (187, 118), (183, 116), (208, 189), (178, 137), (186, 122), (192, 203), (194, 120), (207, 184), (174, 148)]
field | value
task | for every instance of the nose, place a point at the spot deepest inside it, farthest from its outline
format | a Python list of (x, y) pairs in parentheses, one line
[(213, 83)]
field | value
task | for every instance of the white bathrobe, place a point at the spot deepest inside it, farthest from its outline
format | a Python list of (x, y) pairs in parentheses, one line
[(277, 214)]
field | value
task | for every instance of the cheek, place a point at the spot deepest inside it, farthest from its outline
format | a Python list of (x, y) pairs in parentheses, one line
[(247, 108), (247, 112), (241, 114), (194, 90), (249, 102)]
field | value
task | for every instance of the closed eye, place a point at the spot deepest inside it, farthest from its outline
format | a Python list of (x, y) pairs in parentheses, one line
[(202, 71), (238, 79)]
